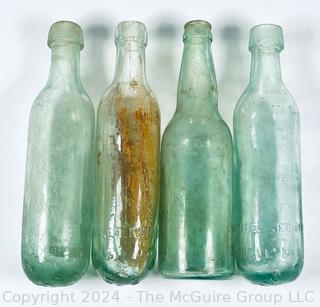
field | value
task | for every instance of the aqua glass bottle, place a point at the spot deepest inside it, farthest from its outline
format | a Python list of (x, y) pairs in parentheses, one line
[(267, 146), (128, 141), (196, 171), (58, 198)]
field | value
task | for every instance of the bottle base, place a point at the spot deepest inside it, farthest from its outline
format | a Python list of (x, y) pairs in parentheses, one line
[(120, 279), (121, 274), (196, 275), (61, 278), (272, 278), (55, 272), (115, 279)]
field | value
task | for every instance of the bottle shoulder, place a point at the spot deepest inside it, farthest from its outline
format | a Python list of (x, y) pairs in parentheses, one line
[(259, 114), (181, 127), (64, 102), (256, 99), (51, 93), (130, 95)]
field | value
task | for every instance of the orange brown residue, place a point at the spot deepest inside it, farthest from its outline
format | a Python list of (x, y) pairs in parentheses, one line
[(138, 123), (134, 83)]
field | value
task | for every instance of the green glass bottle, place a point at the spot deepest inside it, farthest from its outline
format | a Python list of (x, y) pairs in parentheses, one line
[(56, 231), (196, 171), (128, 141), (267, 147)]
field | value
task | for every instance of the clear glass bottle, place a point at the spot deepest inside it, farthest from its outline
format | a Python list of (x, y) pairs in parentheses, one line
[(196, 171), (128, 139), (56, 231), (267, 147)]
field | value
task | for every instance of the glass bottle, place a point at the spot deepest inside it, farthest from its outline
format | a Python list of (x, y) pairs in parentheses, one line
[(196, 171), (56, 231), (128, 139), (267, 147)]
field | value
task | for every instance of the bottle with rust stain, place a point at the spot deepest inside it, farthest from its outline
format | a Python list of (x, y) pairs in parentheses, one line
[(196, 171), (128, 138)]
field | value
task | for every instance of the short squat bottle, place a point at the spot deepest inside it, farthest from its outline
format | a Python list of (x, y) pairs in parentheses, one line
[(267, 145), (56, 231), (196, 171), (128, 138)]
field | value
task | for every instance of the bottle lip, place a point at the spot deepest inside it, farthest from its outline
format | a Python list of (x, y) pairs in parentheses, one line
[(131, 30), (265, 26), (266, 36), (65, 32), (197, 29)]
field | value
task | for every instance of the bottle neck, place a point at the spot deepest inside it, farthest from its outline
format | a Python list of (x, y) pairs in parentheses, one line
[(265, 67), (130, 62), (65, 66), (197, 87)]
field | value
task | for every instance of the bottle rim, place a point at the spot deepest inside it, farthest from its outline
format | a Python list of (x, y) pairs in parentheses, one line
[(65, 32), (131, 30), (197, 29), (266, 25), (266, 36)]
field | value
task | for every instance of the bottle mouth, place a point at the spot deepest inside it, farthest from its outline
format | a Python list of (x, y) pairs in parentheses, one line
[(266, 36), (65, 32), (132, 31), (196, 29)]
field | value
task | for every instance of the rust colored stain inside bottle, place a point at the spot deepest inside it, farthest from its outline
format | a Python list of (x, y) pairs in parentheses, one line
[(138, 125)]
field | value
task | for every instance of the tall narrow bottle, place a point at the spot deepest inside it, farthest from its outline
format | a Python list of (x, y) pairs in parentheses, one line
[(267, 146), (196, 171), (128, 138), (56, 231)]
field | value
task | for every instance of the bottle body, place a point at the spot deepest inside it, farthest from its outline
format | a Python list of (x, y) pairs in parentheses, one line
[(128, 137), (196, 172), (195, 211), (267, 147), (56, 231)]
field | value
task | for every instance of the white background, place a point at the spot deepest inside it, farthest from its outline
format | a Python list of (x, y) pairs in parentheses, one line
[(24, 66)]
